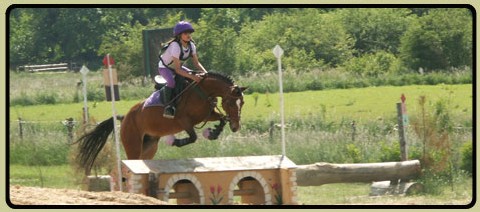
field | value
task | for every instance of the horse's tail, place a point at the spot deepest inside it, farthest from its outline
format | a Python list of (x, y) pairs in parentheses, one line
[(92, 143)]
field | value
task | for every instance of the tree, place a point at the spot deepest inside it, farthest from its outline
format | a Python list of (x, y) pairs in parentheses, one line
[(21, 50), (216, 38), (310, 38), (439, 40), (50, 35), (375, 29)]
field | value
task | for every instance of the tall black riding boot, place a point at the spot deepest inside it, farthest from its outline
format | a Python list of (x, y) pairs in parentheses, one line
[(169, 111)]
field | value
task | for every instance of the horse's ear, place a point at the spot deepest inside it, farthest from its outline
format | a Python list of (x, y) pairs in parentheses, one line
[(243, 88), (238, 89)]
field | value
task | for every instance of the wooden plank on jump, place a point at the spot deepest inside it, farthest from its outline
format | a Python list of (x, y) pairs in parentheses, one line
[(49, 69), (324, 173), (46, 67), (208, 164)]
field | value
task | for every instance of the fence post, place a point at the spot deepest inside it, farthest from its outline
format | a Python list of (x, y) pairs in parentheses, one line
[(270, 130), (354, 129), (20, 127), (69, 123), (402, 124)]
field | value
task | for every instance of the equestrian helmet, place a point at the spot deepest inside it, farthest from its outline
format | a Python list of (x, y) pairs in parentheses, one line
[(181, 27)]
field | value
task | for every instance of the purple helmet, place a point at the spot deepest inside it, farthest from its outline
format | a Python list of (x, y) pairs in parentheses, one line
[(181, 27)]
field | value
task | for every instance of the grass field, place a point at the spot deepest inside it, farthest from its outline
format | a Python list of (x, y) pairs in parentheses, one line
[(360, 104), (370, 107)]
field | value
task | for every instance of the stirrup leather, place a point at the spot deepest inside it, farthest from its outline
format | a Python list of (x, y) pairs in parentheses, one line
[(169, 112)]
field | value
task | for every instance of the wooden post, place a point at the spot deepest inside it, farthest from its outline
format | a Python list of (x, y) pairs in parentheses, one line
[(270, 130), (69, 123), (20, 127), (354, 129), (84, 115), (402, 124)]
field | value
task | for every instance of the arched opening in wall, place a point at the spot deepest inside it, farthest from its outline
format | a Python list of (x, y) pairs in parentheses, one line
[(250, 191), (184, 192)]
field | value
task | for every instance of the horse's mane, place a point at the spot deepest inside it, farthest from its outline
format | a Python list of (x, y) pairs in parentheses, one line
[(222, 77)]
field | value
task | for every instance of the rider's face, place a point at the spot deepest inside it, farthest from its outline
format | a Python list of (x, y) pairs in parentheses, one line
[(186, 36)]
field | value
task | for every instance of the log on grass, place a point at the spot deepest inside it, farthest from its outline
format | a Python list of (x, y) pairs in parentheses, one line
[(324, 173)]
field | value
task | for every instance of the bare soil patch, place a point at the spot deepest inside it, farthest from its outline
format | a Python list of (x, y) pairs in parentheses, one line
[(21, 195)]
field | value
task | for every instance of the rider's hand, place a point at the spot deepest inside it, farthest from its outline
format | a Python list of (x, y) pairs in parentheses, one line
[(197, 78)]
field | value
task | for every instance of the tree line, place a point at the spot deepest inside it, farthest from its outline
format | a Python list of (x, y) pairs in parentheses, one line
[(365, 41)]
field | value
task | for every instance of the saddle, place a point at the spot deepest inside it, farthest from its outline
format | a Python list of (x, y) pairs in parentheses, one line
[(155, 99), (180, 83)]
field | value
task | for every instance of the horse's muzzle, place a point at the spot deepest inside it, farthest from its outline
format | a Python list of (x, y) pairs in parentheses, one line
[(234, 126)]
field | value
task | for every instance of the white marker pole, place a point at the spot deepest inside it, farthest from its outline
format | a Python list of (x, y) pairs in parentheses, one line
[(278, 52), (114, 114), (84, 70)]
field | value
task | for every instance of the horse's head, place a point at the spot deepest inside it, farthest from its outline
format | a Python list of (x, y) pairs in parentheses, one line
[(232, 104)]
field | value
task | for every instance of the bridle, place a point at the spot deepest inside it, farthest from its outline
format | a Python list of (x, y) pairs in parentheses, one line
[(213, 105)]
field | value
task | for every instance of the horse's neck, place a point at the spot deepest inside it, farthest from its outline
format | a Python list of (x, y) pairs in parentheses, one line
[(215, 87)]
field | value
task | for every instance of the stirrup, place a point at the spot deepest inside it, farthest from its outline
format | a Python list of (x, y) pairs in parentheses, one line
[(169, 112)]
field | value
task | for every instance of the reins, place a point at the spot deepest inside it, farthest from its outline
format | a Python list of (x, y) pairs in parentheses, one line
[(213, 106), (183, 91)]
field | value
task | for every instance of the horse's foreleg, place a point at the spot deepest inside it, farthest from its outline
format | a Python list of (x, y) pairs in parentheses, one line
[(212, 134), (184, 141)]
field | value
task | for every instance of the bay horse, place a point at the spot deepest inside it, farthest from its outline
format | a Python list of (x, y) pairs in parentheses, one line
[(142, 127)]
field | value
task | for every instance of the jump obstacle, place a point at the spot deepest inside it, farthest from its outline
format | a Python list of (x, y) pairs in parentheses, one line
[(255, 179), (216, 180)]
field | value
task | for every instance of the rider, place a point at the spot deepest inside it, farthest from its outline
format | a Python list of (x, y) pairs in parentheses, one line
[(179, 49)]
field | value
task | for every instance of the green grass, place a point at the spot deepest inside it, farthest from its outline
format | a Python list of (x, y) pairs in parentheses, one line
[(60, 176), (358, 194), (361, 104), (318, 130)]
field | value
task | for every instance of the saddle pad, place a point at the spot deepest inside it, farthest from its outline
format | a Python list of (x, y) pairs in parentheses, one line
[(155, 99)]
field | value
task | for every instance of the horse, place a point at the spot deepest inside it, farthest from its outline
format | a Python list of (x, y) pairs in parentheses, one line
[(142, 127)]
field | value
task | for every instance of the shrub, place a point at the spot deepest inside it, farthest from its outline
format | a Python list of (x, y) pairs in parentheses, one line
[(390, 152), (353, 153), (39, 152), (23, 100), (46, 98), (467, 157), (371, 65)]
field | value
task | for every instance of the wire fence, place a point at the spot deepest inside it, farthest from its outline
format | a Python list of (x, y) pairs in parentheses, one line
[(23, 128)]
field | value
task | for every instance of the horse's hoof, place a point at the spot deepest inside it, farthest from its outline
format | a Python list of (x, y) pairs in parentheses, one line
[(206, 133)]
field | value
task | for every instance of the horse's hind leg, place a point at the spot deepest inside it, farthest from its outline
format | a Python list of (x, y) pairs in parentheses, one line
[(132, 140), (150, 145)]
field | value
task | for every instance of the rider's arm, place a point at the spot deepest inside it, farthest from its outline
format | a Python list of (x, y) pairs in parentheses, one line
[(181, 72), (197, 63)]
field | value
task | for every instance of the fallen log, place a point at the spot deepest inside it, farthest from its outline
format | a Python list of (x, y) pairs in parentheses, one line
[(324, 173)]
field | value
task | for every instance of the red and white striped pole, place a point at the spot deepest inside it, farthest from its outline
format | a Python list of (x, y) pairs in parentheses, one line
[(108, 62)]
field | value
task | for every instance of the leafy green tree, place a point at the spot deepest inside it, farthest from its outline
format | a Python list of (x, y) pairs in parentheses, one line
[(309, 35), (125, 42), (216, 38), (372, 65), (439, 40), (50, 35), (21, 32), (375, 29)]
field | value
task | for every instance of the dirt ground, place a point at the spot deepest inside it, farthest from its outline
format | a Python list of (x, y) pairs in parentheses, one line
[(21, 195)]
